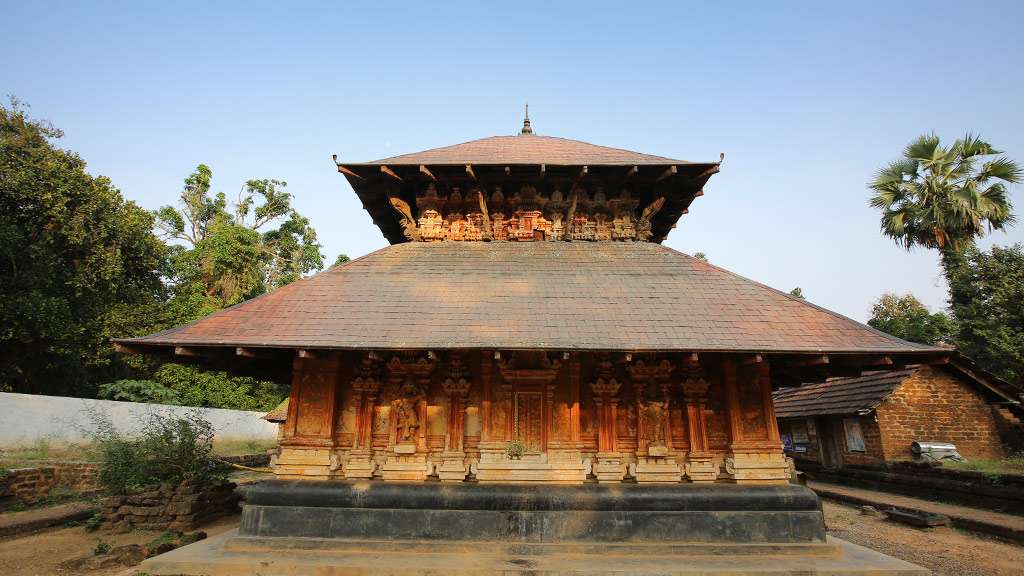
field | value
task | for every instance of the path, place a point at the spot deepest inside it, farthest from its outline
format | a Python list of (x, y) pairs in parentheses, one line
[(1007, 526)]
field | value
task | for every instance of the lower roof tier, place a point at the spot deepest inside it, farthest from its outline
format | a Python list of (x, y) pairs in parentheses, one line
[(630, 296)]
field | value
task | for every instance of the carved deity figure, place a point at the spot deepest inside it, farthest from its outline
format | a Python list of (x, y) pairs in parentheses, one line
[(406, 412), (654, 428)]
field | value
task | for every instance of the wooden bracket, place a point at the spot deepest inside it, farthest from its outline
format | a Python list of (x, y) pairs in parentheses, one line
[(260, 353), (129, 349), (429, 174), (391, 173), (668, 173), (469, 170), (631, 172)]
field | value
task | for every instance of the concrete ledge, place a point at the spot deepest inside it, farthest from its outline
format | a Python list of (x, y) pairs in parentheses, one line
[(212, 557), (526, 513)]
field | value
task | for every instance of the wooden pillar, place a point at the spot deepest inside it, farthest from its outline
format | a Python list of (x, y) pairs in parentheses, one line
[(732, 396), (307, 448), (486, 424), (574, 399)]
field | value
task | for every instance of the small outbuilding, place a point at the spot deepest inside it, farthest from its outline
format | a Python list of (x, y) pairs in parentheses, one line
[(873, 419)]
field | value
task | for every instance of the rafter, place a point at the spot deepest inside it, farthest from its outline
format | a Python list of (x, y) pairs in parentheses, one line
[(429, 174), (668, 173), (261, 353), (391, 173), (631, 172)]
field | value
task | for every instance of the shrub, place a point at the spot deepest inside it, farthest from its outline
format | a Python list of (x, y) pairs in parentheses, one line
[(146, 391), (197, 387), (168, 448)]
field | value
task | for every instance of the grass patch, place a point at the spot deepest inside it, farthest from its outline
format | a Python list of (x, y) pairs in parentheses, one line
[(1009, 465), (240, 447)]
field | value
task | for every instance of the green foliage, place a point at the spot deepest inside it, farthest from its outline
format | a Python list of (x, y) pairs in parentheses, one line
[(233, 253), (943, 197), (987, 300), (700, 256), (75, 253), (138, 391), (515, 449), (797, 293), (341, 259), (168, 449), (907, 318), (102, 547), (94, 522), (197, 387)]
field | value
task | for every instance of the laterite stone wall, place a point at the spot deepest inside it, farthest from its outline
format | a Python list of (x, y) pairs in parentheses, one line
[(934, 405), (28, 484)]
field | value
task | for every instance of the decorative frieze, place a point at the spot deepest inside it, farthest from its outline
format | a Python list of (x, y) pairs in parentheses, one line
[(527, 215)]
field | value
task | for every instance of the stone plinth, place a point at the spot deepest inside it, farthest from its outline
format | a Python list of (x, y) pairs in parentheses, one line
[(298, 462), (757, 467), (453, 467), (609, 467), (657, 469), (347, 528), (531, 468), (404, 467), (701, 469), (360, 465)]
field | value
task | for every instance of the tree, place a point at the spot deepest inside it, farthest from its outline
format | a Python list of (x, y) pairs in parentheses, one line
[(907, 318), (797, 293), (341, 259), (945, 197), (76, 258), (987, 299), (228, 254)]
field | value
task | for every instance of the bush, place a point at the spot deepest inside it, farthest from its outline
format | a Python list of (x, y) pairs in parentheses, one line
[(146, 391), (197, 387), (168, 448)]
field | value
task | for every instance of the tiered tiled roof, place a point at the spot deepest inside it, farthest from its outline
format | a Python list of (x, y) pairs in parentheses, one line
[(533, 295)]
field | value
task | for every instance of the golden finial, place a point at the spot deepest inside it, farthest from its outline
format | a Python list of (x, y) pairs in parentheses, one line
[(527, 129)]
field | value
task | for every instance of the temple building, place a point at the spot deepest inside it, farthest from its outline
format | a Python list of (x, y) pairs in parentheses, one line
[(526, 325)]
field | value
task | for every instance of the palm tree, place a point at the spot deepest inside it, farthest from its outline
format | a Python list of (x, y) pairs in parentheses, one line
[(945, 198)]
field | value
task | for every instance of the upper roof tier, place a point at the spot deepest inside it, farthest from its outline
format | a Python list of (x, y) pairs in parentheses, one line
[(572, 190), (529, 149)]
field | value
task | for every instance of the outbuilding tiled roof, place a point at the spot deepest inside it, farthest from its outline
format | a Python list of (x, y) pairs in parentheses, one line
[(279, 414), (854, 395), (528, 149), (532, 295)]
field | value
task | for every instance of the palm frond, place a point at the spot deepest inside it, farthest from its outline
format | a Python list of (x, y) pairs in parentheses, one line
[(923, 148), (1001, 168)]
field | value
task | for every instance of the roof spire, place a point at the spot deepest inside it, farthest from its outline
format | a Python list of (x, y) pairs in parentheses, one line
[(527, 129)]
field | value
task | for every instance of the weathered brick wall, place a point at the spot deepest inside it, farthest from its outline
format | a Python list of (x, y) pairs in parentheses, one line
[(168, 507), (28, 484), (873, 454), (933, 404)]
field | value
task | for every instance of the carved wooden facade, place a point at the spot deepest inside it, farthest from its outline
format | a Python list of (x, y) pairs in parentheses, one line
[(579, 416), (525, 215)]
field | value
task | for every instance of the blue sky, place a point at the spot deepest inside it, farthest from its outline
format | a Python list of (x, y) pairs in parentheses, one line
[(806, 101)]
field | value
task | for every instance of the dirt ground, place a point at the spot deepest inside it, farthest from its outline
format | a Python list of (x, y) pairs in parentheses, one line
[(41, 554), (942, 550)]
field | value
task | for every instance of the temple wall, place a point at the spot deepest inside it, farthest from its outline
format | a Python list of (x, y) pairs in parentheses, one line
[(531, 416)]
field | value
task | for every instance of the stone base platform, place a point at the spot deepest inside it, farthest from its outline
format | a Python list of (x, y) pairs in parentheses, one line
[(373, 527), (228, 554)]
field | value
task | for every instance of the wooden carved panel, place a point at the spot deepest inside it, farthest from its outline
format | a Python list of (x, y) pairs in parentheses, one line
[(751, 404), (528, 426), (716, 416), (313, 411)]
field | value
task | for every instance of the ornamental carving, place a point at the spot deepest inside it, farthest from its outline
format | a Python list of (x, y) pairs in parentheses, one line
[(527, 215)]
